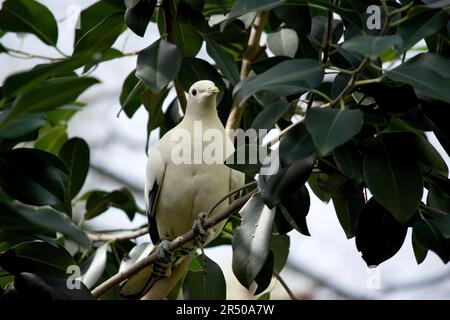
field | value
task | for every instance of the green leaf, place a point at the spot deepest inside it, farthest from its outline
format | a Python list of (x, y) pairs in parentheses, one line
[(241, 7), (279, 245), (428, 235), (420, 252), (394, 180), (22, 126), (372, 46), (158, 64), (98, 202), (138, 16), (187, 39), (94, 266), (224, 61), (296, 144), (46, 96), (313, 184), (36, 220), (420, 26), (270, 115), (52, 139), (286, 78), (284, 42), (331, 128), (94, 15), (349, 161), (251, 240), (75, 153), (286, 181), (194, 69), (43, 183), (434, 73), (246, 159), (295, 209), (130, 97), (264, 276), (22, 82), (31, 17), (102, 36), (153, 104), (205, 285), (36, 256), (348, 212), (378, 235)]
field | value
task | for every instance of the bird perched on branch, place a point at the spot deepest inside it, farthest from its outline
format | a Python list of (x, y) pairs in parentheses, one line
[(185, 177)]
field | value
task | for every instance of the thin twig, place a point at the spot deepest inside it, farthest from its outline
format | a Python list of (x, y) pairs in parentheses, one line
[(121, 236), (251, 53), (326, 47), (285, 286), (32, 55), (174, 244)]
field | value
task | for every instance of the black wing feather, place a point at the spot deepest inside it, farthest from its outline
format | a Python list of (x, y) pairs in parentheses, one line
[(152, 226)]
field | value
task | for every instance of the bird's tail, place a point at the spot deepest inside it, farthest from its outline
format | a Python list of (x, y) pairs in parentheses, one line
[(157, 280)]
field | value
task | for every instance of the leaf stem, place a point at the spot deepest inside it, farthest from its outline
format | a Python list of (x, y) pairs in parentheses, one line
[(285, 286)]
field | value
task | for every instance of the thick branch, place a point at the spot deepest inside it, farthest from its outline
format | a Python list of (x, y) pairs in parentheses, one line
[(251, 53), (118, 236), (178, 242)]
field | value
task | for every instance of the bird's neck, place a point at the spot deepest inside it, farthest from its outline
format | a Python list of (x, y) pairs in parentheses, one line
[(199, 113)]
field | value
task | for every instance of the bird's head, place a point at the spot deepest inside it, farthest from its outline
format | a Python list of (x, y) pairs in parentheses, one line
[(203, 93)]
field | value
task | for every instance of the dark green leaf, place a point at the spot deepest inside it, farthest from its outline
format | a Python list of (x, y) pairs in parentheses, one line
[(29, 16), (22, 126), (187, 39), (246, 159), (270, 115), (296, 144), (194, 69), (264, 276), (37, 256), (205, 285), (286, 181), (102, 36), (428, 235), (46, 96), (378, 235), (295, 209), (394, 180), (130, 97), (279, 245), (348, 212), (251, 240), (434, 75), (421, 26), (43, 183), (224, 61), (349, 160), (286, 78), (51, 139), (420, 252), (98, 202), (331, 128), (372, 46), (75, 153), (158, 64), (137, 17)]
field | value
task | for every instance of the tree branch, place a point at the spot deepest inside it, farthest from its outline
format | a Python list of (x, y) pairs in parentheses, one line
[(326, 47), (120, 236), (251, 53), (31, 55), (285, 286), (174, 244)]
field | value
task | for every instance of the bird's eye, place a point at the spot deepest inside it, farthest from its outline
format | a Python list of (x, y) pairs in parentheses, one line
[(194, 92)]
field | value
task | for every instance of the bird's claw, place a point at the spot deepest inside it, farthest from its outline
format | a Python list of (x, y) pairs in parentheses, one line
[(199, 230), (163, 252)]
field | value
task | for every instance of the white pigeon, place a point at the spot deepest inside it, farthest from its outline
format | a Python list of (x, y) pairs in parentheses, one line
[(185, 176)]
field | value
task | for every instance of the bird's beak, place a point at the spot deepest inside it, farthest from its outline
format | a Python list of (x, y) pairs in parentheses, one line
[(212, 90)]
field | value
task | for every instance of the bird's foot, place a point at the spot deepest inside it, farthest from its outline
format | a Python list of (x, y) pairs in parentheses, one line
[(199, 230), (163, 252)]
